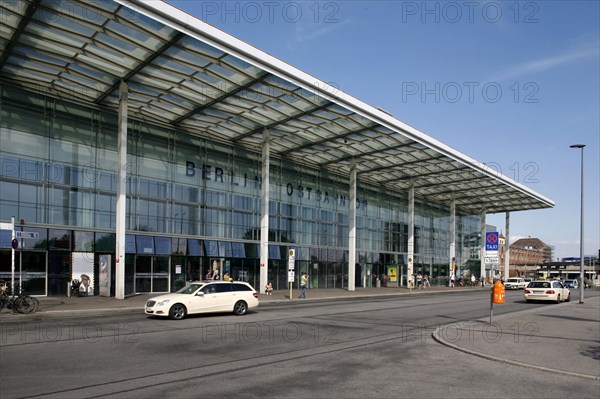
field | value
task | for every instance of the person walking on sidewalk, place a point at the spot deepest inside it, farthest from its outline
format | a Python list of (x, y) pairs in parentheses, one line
[(303, 282)]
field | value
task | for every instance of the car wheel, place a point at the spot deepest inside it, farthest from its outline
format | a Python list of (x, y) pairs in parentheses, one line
[(558, 299), (528, 300), (568, 298), (240, 308), (177, 311)]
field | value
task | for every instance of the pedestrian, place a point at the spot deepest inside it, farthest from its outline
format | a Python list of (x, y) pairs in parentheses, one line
[(303, 283), (452, 281), (426, 281), (473, 280), (269, 288)]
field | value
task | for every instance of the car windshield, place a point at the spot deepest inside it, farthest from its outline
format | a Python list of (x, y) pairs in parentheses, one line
[(190, 289), (569, 281), (512, 280), (539, 284)]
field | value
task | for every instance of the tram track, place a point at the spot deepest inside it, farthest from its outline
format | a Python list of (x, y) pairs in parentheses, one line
[(207, 371)]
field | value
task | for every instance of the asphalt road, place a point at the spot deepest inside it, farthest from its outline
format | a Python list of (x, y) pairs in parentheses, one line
[(347, 348)]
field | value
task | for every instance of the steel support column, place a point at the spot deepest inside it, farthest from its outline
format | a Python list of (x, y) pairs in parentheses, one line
[(482, 244), (121, 193), (452, 254), (264, 212), (507, 246), (411, 233), (352, 229)]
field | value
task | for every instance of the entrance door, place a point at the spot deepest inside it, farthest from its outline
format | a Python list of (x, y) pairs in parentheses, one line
[(151, 274), (160, 273), (143, 274)]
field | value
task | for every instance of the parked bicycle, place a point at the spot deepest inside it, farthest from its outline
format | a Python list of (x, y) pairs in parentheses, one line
[(21, 303)]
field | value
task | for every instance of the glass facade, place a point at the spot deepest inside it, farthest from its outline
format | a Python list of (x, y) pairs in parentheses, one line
[(191, 202)]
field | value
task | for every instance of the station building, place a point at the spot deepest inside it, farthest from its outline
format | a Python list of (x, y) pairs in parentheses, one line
[(142, 148)]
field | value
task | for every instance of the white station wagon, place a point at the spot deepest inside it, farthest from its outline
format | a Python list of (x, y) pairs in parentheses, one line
[(547, 290), (204, 297)]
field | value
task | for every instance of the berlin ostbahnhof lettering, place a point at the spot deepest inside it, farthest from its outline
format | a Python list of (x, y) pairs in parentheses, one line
[(301, 191)]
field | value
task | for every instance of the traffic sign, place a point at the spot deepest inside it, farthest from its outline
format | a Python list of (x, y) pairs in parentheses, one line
[(14, 243), (491, 241), (492, 260), (27, 234)]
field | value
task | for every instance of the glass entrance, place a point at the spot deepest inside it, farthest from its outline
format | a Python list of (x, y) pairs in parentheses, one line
[(151, 274)]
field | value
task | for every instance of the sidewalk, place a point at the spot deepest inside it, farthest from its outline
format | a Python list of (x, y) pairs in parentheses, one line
[(563, 338)]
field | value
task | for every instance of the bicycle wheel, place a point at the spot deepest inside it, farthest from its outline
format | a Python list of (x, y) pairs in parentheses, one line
[(26, 304)]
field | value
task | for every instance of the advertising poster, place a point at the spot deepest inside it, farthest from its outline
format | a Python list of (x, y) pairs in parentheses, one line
[(83, 271), (392, 272), (104, 275)]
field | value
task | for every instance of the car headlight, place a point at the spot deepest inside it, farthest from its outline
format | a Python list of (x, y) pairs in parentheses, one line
[(163, 303)]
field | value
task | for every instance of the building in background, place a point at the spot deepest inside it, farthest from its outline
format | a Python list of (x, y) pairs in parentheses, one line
[(527, 255)]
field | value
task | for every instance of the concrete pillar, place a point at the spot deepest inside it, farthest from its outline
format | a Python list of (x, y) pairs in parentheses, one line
[(264, 214), (121, 193)]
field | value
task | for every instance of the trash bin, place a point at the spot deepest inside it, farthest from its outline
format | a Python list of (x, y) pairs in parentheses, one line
[(378, 283)]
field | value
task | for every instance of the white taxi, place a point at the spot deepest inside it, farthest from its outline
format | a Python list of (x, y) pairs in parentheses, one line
[(204, 297), (547, 290)]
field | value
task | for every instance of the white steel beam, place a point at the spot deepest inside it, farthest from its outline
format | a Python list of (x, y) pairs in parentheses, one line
[(352, 229), (482, 243), (411, 232), (452, 254), (121, 194), (507, 246), (264, 213)]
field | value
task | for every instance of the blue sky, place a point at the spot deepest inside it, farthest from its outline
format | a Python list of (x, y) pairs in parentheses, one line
[(509, 83)]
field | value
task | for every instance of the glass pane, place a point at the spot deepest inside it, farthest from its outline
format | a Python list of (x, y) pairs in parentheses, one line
[(105, 242), (84, 241), (59, 239), (145, 244), (163, 245), (179, 246), (33, 277), (130, 247), (211, 248), (195, 248), (143, 274)]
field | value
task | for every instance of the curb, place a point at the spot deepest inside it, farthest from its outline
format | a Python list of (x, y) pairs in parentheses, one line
[(436, 337)]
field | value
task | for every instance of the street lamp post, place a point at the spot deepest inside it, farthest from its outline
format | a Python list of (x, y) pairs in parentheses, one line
[(581, 268)]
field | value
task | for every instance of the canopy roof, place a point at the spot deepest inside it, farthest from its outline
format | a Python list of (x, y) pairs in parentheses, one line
[(191, 76)]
